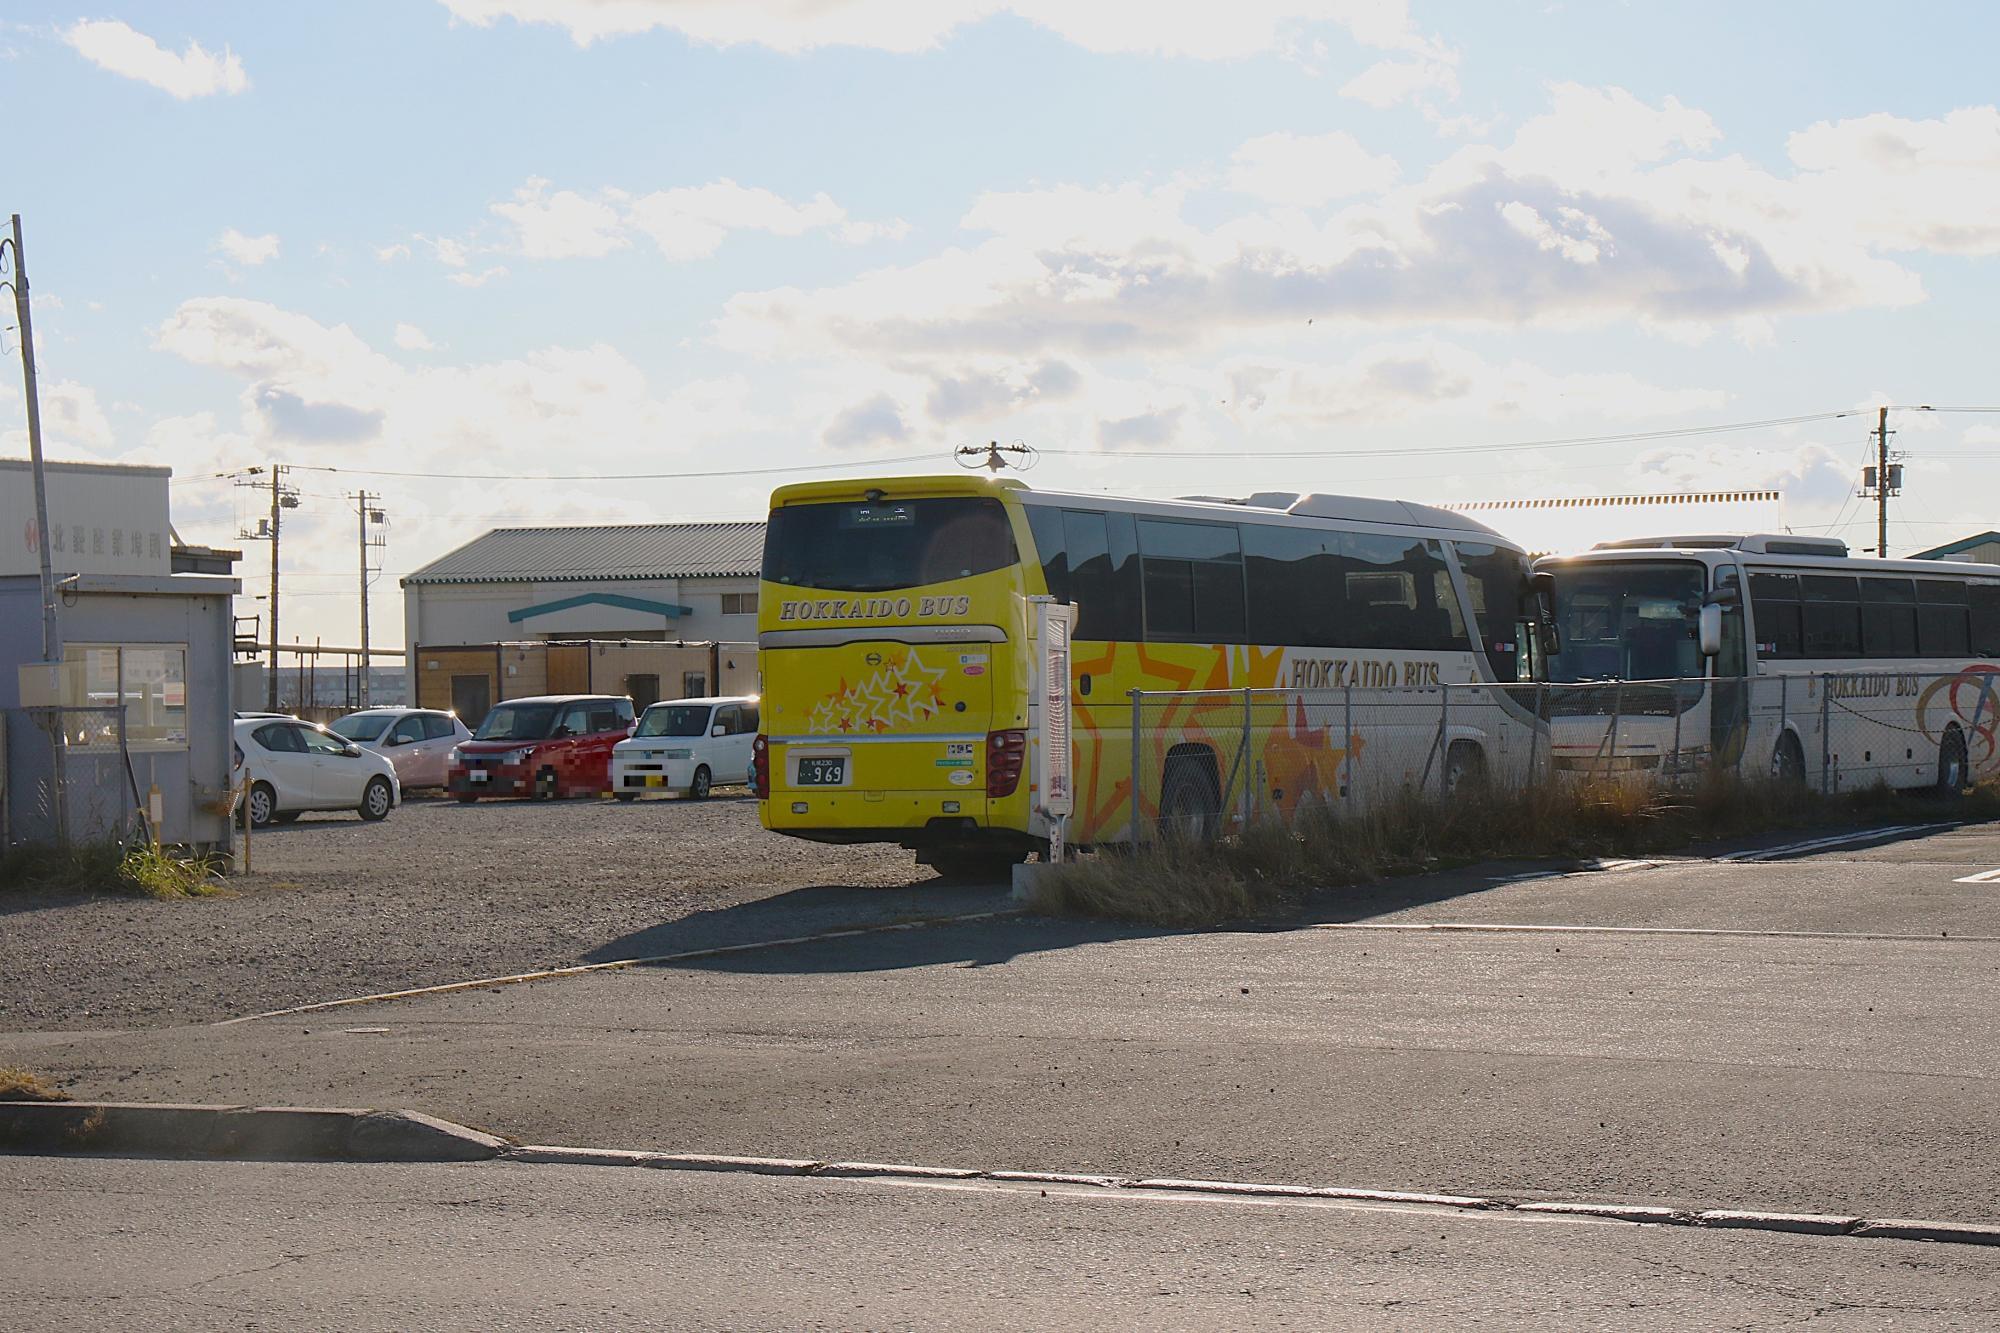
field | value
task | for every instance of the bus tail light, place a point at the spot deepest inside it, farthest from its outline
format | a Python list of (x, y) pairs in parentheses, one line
[(760, 767), (1006, 752)]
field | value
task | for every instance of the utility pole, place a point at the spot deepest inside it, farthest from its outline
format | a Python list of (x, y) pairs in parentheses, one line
[(277, 512), (1882, 483), (51, 641), (367, 514)]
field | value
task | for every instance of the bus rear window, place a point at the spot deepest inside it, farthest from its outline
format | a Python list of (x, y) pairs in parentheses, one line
[(882, 546)]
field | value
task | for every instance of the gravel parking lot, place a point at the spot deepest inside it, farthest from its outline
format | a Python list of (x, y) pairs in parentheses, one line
[(438, 892)]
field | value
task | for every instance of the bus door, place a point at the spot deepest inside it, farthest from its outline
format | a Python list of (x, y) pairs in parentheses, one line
[(1729, 698)]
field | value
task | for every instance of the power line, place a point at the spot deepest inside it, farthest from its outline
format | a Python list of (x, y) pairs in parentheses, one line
[(615, 476)]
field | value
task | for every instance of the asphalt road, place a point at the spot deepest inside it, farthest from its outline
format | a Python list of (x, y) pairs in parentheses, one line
[(1805, 1035), (107, 1243)]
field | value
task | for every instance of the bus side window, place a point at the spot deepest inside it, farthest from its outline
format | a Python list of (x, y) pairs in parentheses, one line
[(1046, 525), (1774, 600), (1985, 598), (1087, 540), (1943, 628)]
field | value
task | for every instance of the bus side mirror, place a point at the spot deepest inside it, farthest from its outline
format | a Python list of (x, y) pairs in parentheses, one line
[(1709, 624), (1542, 594)]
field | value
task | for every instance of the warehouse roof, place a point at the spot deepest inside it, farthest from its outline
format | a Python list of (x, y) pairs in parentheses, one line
[(595, 554)]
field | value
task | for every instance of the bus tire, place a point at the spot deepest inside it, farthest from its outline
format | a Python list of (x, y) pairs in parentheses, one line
[(1951, 763), (1464, 769), (1190, 805), (1788, 763)]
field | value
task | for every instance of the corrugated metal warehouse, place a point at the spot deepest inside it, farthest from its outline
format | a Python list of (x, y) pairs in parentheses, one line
[(656, 610)]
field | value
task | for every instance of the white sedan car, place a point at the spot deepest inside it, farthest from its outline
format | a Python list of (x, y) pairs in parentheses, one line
[(295, 766), (418, 741)]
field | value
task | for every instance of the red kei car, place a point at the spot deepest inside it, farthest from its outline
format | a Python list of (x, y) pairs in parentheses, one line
[(548, 748)]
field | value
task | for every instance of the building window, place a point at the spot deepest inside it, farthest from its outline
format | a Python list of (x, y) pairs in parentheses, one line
[(149, 683), (739, 604)]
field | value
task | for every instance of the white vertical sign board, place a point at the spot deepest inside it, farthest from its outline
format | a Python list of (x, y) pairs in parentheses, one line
[(1054, 761)]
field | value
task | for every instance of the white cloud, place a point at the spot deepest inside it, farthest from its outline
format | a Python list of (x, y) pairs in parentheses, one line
[(249, 251), (871, 423), (1603, 209), (413, 339), (562, 225), (469, 278), (691, 223), (1392, 82), (195, 72), (1197, 31), (1909, 185), (1308, 170), (73, 422), (389, 254)]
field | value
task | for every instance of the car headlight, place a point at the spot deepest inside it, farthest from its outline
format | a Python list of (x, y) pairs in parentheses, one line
[(516, 756)]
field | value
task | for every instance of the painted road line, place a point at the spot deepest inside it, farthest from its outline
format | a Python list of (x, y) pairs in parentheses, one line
[(687, 955), (1983, 877), (1508, 928), (1811, 845), (1053, 1184)]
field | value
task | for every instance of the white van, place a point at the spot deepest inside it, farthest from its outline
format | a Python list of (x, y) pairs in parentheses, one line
[(686, 746)]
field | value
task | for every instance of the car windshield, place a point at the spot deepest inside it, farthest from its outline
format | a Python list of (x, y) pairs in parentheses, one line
[(518, 722), (362, 726), (674, 720)]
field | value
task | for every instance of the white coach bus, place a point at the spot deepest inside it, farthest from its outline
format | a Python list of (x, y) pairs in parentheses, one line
[(1774, 653)]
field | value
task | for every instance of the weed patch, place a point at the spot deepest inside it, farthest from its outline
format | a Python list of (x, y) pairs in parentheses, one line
[(109, 867), (23, 1085), (1258, 871)]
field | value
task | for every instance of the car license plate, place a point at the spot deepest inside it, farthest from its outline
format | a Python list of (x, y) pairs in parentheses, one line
[(476, 775), (823, 771)]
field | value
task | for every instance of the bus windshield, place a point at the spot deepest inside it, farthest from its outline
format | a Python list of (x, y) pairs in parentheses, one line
[(882, 546), (1627, 621)]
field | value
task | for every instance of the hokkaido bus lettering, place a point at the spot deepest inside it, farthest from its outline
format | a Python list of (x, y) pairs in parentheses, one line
[(1315, 673), (873, 608)]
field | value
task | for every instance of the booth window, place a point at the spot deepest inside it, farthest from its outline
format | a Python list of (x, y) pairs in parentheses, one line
[(149, 681)]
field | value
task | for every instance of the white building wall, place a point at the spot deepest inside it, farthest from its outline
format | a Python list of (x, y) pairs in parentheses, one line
[(439, 614), (103, 519)]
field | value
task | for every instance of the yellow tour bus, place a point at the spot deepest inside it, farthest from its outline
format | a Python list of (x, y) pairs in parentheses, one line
[(895, 626)]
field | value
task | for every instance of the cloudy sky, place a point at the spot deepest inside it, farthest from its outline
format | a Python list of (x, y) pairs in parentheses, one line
[(1416, 250)]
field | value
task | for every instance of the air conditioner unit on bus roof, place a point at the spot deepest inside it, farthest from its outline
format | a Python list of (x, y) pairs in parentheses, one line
[(1762, 543)]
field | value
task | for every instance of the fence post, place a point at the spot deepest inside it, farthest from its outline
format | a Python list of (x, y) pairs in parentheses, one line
[(1248, 800), (1825, 736), (1677, 728), (1444, 741), (1346, 739), (1138, 828), (1535, 733)]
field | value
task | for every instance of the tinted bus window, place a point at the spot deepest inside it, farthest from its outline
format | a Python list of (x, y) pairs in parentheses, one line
[(889, 545), (1296, 589), (1774, 601), (1943, 631), (1046, 525), (1832, 617), (1193, 581), (1985, 599), (1398, 595), (1494, 579)]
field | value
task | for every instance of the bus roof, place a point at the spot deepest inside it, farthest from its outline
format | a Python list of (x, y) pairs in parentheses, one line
[(1343, 509), (1756, 557)]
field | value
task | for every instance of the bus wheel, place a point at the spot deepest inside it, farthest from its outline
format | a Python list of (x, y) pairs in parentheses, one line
[(1951, 763), (1465, 770), (1788, 763), (1190, 808)]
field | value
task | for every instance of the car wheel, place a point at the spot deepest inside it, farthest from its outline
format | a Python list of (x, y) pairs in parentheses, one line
[(1951, 763), (545, 785), (466, 798), (376, 799), (287, 816), (627, 795), (261, 807), (698, 788)]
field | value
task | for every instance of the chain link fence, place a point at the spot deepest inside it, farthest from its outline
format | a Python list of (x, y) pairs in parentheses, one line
[(1208, 761), (73, 767)]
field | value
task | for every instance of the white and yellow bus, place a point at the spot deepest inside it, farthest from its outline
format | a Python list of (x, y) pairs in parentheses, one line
[(1808, 663), (898, 669)]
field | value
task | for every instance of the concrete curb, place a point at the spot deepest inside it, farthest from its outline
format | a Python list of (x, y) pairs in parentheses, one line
[(1803, 1224), (272, 1133)]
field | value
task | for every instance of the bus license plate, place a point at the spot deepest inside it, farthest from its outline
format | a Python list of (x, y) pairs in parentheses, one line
[(823, 771)]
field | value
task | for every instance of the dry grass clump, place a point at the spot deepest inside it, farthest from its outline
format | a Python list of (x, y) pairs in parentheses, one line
[(1257, 871), (23, 1085), (140, 870)]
